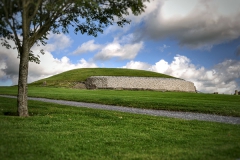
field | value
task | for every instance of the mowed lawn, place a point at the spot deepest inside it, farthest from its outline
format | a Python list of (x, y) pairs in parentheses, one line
[(62, 132), (228, 105)]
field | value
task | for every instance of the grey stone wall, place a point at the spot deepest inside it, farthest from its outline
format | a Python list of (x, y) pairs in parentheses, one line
[(145, 83)]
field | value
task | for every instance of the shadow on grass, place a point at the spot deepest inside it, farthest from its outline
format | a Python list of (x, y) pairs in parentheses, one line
[(10, 113)]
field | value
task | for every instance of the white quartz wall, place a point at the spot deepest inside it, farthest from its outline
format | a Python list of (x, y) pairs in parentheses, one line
[(148, 83)]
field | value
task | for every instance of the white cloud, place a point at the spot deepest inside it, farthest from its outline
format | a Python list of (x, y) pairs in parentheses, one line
[(137, 65), (88, 46), (118, 50), (151, 7), (222, 78), (56, 42), (115, 28), (122, 49), (163, 47), (49, 66), (193, 23), (9, 63), (197, 24)]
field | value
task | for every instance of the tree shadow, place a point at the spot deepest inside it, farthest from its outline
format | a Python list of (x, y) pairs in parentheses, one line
[(10, 113)]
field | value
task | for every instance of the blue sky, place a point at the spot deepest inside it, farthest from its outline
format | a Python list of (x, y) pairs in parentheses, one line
[(195, 40)]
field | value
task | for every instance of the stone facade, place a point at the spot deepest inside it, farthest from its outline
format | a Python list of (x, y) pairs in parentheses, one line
[(236, 92), (139, 83)]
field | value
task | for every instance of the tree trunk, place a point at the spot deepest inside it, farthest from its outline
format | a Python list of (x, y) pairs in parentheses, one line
[(22, 85), (23, 66)]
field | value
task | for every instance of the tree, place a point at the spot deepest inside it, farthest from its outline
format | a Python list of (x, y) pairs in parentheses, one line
[(28, 22)]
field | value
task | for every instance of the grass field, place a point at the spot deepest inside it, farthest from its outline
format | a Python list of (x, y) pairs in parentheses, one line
[(62, 132), (55, 131), (178, 101)]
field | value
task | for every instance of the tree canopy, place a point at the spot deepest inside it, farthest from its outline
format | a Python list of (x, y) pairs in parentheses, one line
[(43, 16), (28, 22)]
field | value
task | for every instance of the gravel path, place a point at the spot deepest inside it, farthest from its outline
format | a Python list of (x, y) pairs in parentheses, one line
[(163, 113)]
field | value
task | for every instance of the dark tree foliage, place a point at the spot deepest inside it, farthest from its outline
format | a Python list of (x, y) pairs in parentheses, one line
[(28, 22)]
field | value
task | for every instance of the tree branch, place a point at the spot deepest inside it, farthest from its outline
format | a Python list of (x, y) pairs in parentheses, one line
[(12, 26), (36, 9), (49, 20)]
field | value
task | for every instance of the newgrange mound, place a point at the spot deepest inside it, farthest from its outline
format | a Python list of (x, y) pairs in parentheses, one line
[(116, 78)]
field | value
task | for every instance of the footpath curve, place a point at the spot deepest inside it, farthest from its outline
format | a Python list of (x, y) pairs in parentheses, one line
[(163, 113)]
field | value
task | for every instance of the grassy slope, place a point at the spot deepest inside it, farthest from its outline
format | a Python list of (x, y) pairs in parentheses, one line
[(177, 101), (62, 132), (65, 79)]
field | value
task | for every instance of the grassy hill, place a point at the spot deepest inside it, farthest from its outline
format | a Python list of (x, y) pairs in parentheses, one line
[(72, 77)]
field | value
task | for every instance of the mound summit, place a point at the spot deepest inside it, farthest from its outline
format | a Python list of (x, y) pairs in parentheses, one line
[(116, 78)]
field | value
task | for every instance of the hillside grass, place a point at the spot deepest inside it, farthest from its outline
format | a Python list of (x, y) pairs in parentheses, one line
[(227, 105), (62, 132), (67, 78)]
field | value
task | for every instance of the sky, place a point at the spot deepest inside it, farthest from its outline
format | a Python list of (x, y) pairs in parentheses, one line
[(195, 40)]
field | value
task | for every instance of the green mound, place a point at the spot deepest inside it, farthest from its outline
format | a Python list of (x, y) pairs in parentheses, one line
[(73, 77)]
